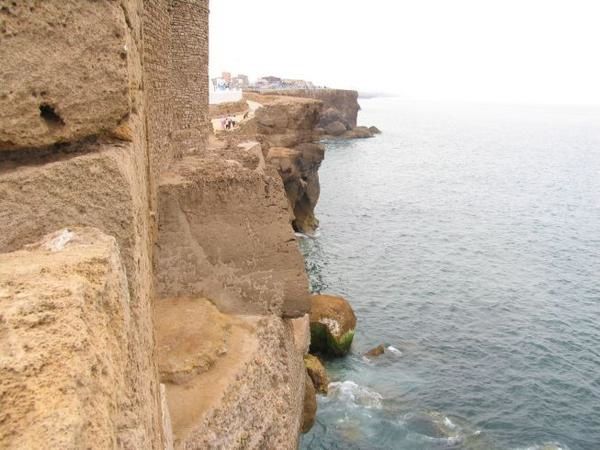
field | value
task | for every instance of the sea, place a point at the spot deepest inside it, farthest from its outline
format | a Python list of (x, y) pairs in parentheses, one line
[(467, 239)]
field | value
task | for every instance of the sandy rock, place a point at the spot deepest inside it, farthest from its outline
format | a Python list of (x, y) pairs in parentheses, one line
[(64, 305), (51, 92), (332, 324), (301, 330), (358, 133), (249, 396), (240, 251), (335, 128), (317, 373), (374, 130), (376, 351), (310, 405), (184, 348), (285, 121), (343, 102)]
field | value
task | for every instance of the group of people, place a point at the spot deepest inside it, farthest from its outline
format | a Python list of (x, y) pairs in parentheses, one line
[(228, 123)]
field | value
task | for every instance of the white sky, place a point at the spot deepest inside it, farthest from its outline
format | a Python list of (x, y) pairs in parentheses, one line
[(531, 51)]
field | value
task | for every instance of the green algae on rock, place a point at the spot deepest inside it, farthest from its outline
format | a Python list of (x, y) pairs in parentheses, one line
[(332, 324)]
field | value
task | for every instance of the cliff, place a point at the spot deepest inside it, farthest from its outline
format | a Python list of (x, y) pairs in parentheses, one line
[(338, 104), (152, 291), (286, 128)]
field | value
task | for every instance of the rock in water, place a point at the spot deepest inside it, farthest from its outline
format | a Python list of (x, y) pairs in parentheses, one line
[(374, 130), (358, 133), (310, 405), (332, 324), (317, 373), (379, 350)]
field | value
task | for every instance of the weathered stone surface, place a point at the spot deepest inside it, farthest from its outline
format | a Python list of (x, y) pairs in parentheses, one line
[(310, 405), (64, 308), (225, 234), (299, 171), (335, 128), (331, 115), (102, 186), (54, 89), (250, 396), (301, 329), (374, 130), (184, 348), (332, 324), (317, 373)]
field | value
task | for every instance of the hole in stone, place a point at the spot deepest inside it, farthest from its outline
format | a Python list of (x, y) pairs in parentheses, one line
[(50, 116)]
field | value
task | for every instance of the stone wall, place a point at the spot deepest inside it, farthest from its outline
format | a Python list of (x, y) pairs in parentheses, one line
[(188, 49), (106, 170)]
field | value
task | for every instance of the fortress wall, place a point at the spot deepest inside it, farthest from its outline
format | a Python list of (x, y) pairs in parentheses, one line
[(74, 153), (188, 50), (100, 100)]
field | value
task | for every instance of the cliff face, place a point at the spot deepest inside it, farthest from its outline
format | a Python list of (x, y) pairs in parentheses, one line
[(137, 221), (338, 104), (286, 128)]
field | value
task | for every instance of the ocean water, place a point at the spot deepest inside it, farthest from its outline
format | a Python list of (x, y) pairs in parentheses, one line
[(467, 239)]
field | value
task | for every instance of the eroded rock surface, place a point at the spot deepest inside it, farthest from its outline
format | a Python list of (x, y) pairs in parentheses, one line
[(317, 373), (64, 332), (52, 93), (225, 234), (249, 396), (309, 412)]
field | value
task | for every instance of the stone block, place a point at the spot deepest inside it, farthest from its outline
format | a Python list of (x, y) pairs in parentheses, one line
[(64, 316), (102, 186), (65, 70)]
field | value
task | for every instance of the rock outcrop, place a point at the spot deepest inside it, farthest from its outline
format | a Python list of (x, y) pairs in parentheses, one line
[(286, 129), (332, 324), (310, 405), (317, 373), (339, 115)]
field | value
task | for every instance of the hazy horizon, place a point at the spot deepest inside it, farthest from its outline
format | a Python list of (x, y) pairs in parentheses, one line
[(538, 52)]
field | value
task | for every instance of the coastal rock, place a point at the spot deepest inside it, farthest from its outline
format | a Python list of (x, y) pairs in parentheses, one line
[(282, 121), (317, 373), (336, 128), (377, 351), (358, 133), (298, 169), (331, 115), (310, 406), (374, 130), (332, 324), (344, 102)]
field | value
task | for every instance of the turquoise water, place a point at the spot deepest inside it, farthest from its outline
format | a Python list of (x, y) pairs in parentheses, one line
[(468, 241)]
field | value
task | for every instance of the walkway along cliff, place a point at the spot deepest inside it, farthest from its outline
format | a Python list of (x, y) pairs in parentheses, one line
[(152, 294)]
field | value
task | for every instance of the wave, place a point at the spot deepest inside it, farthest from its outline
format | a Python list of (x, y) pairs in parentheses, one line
[(354, 395)]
